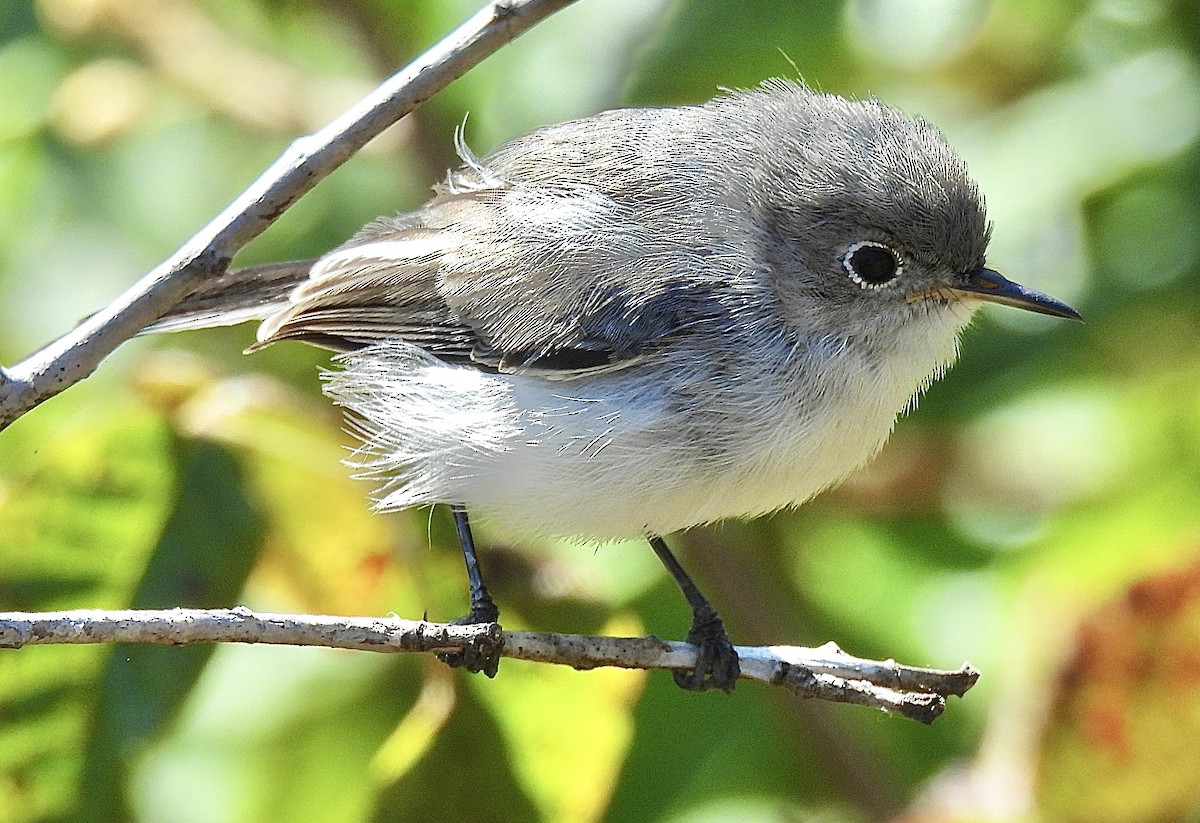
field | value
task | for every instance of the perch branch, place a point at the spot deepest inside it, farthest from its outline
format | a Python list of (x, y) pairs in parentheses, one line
[(825, 672), (306, 162)]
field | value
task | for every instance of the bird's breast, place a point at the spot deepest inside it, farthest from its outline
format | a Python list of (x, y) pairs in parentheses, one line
[(668, 444)]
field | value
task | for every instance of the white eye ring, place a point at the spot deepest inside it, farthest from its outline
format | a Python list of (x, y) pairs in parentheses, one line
[(858, 278)]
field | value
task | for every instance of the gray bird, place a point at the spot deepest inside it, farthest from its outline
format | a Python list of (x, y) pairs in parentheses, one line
[(643, 321)]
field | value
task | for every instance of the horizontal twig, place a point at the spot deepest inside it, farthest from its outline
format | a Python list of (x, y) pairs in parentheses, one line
[(825, 672)]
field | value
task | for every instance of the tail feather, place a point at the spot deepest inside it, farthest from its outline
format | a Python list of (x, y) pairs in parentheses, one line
[(238, 296)]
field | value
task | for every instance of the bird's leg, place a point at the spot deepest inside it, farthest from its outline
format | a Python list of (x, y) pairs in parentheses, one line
[(486, 656), (717, 662), (483, 608)]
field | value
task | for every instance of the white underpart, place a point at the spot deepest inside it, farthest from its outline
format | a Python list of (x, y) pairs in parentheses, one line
[(610, 456)]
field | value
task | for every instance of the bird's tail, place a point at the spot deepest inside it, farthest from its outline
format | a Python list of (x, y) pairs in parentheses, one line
[(240, 295)]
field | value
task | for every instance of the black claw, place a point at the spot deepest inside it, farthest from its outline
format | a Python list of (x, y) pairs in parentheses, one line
[(717, 664), (483, 655)]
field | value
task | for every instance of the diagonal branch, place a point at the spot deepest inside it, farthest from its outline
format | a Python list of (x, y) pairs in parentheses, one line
[(825, 672), (306, 162)]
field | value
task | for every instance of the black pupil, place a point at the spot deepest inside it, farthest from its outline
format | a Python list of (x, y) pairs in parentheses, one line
[(873, 264)]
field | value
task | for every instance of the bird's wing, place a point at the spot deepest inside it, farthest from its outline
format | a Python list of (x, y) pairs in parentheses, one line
[(236, 296), (382, 285), (558, 277)]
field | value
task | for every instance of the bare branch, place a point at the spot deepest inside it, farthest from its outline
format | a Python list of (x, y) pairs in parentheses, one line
[(825, 672), (308, 160)]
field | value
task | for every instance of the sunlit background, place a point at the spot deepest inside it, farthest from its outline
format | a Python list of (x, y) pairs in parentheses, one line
[(1038, 515)]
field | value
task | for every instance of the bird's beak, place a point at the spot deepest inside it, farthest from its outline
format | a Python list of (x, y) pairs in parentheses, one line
[(992, 287)]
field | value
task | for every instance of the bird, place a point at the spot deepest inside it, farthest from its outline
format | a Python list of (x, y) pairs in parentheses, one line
[(643, 321)]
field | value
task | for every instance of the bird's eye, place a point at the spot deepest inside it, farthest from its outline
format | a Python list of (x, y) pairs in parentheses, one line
[(871, 265)]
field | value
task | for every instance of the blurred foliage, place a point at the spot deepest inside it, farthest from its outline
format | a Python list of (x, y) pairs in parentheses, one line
[(1037, 515)]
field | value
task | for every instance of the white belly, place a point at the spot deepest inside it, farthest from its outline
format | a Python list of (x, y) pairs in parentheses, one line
[(618, 455)]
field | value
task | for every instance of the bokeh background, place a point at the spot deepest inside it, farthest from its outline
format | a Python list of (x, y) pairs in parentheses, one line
[(1038, 515)]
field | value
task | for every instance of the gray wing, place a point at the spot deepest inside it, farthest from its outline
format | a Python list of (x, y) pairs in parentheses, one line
[(237, 296), (567, 252)]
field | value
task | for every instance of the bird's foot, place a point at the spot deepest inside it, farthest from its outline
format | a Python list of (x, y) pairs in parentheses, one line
[(483, 655), (716, 660)]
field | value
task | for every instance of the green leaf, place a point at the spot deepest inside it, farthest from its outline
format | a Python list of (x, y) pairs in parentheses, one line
[(706, 45), (203, 557), (82, 498)]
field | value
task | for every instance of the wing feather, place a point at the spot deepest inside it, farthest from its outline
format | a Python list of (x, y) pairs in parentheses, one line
[(536, 260)]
